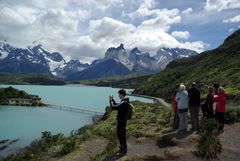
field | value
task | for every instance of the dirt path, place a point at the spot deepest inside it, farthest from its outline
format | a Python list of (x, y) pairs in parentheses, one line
[(231, 143), (155, 99)]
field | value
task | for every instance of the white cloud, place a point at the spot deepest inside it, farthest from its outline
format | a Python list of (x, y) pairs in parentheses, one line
[(163, 23), (148, 3), (187, 11), (161, 18), (232, 20), (181, 34), (82, 29), (150, 39), (95, 5), (49, 27), (10, 16), (107, 28), (197, 45), (231, 30), (220, 5), (145, 10), (110, 32)]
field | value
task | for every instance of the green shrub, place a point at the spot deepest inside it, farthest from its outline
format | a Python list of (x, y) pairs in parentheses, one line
[(234, 98), (69, 145), (209, 145), (232, 115), (208, 126), (84, 129), (107, 113)]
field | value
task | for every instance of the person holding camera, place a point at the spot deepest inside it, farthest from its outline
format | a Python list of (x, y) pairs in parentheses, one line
[(122, 109)]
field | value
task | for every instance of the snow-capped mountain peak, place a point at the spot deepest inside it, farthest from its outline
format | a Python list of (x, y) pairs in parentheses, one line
[(5, 48), (137, 61), (35, 58), (166, 55)]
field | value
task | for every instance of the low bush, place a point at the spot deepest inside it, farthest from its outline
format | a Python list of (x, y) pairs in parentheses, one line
[(209, 145), (69, 145), (232, 115)]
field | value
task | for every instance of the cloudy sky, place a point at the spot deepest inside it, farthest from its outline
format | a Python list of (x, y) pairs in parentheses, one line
[(84, 29)]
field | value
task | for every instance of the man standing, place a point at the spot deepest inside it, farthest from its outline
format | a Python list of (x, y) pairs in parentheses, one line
[(194, 105), (122, 109)]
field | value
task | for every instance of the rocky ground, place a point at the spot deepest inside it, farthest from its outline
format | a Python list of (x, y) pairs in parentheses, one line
[(146, 149)]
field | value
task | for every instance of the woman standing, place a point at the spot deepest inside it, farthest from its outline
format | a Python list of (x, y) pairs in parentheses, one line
[(220, 99), (175, 109), (209, 103), (182, 104)]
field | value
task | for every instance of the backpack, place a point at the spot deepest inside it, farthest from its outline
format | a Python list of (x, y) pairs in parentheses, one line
[(130, 111)]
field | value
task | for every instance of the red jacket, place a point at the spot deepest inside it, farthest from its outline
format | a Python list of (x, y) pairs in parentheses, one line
[(221, 100), (175, 104)]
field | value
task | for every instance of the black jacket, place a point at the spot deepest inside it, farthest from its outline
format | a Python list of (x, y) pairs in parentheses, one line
[(209, 102), (209, 106), (194, 97), (122, 108)]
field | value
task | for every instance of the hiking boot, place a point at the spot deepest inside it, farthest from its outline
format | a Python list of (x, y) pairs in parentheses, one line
[(124, 151), (121, 153)]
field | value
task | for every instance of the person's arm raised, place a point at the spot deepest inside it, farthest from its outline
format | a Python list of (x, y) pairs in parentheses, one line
[(113, 103)]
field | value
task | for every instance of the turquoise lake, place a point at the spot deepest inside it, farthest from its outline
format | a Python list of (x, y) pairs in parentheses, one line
[(27, 123)]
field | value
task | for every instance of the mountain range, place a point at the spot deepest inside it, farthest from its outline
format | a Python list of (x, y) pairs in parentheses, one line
[(117, 61), (36, 59)]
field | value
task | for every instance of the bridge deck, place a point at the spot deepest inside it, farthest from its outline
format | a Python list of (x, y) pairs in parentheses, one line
[(74, 109)]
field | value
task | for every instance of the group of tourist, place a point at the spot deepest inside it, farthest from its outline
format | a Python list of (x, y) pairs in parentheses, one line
[(184, 101), (213, 107)]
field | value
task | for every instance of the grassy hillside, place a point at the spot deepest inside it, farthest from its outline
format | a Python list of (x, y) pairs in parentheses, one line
[(34, 78), (221, 66), (130, 81)]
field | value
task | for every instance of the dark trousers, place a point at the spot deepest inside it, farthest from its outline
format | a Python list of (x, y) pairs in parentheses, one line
[(176, 120), (220, 119), (194, 117), (210, 113), (121, 133)]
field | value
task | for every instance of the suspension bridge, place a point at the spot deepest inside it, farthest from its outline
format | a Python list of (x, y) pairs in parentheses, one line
[(74, 109)]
